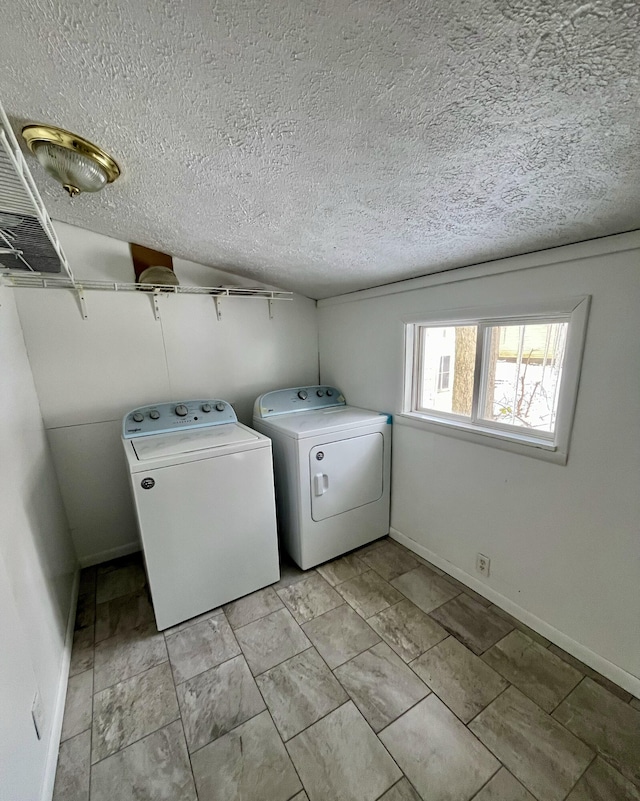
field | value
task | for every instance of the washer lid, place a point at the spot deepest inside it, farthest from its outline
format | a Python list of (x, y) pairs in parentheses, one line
[(179, 442), (323, 421)]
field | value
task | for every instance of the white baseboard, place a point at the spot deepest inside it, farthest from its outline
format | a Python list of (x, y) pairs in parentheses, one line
[(616, 674), (58, 712), (111, 553)]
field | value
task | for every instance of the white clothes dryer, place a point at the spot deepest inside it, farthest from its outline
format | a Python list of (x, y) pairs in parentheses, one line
[(204, 497), (332, 470)]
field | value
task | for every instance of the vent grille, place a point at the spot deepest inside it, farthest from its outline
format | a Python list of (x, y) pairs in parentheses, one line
[(27, 239)]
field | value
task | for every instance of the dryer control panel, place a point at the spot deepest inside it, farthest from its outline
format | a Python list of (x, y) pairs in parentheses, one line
[(297, 399), (163, 418)]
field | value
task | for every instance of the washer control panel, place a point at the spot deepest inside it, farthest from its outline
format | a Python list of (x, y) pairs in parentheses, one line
[(163, 418), (297, 399)]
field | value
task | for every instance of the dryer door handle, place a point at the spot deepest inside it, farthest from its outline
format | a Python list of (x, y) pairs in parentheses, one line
[(321, 483)]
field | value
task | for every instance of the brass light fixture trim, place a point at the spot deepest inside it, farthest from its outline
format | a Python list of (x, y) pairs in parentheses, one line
[(35, 135)]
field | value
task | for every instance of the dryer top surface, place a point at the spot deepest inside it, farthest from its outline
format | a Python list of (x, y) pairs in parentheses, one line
[(301, 425)]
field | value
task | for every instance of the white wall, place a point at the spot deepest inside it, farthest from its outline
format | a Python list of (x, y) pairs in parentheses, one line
[(563, 540), (37, 571), (88, 373)]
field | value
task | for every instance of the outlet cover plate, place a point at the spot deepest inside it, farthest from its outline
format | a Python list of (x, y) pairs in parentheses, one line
[(483, 564)]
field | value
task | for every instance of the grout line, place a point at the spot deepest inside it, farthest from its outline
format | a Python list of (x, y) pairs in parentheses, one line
[(133, 675), (491, 778), (184, 734), (502, 692), (589, 764), (262, 617), (133, 742), (566, 695)]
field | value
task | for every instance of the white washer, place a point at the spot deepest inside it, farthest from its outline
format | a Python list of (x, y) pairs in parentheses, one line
[(332, 468), (204, 497)]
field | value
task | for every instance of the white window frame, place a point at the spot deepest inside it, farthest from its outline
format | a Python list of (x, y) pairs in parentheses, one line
[(550, 446)]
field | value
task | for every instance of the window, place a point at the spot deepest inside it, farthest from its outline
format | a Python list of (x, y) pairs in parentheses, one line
[(444, 373), (498, 377)]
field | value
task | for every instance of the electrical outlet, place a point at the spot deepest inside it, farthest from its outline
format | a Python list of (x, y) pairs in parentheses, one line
[(483, 563), (37, 713)]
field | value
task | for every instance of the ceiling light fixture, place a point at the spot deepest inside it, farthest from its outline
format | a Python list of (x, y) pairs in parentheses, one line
[(79, 165)]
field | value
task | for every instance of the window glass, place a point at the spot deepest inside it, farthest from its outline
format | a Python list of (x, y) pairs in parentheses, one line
[(447, 365), (522, 370)]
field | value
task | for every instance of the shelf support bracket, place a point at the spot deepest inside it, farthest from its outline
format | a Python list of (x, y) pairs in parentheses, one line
[(216, 300), (156, 306), (79, 290), (271, 308)]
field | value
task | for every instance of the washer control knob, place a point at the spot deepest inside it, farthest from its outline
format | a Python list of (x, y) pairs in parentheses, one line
[(303, 394), (220, 407), (181, 410), (329, 393), (206, 407), (320, 393), (138, 417), (154, 414)]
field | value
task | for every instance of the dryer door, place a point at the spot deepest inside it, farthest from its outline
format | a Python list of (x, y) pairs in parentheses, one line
[(345, 474)]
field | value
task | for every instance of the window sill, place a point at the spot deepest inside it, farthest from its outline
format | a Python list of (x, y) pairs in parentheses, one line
[(514, 443)]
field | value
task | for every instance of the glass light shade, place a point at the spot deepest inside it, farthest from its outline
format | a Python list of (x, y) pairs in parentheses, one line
[(70, 168)]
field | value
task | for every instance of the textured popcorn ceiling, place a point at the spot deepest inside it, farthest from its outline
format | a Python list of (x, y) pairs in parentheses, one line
[(327, 145)]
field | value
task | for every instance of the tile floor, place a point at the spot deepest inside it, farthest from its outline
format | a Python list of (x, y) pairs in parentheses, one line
[(375, 676)]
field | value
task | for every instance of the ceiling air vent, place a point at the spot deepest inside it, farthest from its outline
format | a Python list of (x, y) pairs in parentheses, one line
[(28, 242)]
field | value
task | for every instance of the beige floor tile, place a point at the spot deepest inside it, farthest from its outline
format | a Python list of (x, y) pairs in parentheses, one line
[(200, 647), (390, 561), (381, 685), (339, 757), (123, 614), (82, 651), (593, 674), (132, 709), (249, 763), (127, 654), (601, 782), (217, 701), (402, 791), (78, 708), (407, 629), (503, 787), (340, 634), (85, 610), (372, 546), (369, 593), (74, 769), (116, 581), (541, 675), (545, 757), (467, 590), (252, 607), (155, 768), (471, 623), (437, 753), (191, 622), (342, 569), (271, 640), (426, 589), (607, 724), (300, 691), (459, 678), (309, 598), (520, 626)]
